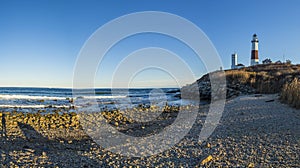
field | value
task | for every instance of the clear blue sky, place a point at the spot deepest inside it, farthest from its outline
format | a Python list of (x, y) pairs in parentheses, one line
[(40, 40)]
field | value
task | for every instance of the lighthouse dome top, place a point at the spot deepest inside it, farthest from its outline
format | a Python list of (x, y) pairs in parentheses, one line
[(255, 39)]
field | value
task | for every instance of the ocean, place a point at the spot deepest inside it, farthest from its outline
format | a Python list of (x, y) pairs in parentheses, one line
[(34, 100)]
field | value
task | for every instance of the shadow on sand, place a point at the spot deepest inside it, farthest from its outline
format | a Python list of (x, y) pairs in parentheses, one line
[(34, 149)]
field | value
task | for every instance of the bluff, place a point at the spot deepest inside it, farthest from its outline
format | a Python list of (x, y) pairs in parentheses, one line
[(264, 79)]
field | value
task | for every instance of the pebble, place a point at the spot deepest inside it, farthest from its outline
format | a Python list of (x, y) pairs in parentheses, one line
[(206, 160)]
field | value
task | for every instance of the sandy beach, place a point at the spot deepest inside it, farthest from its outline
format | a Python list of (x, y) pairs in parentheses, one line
[(254, 131)]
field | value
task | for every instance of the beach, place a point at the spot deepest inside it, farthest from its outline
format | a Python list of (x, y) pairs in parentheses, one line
[(149, 84), (254, 131)]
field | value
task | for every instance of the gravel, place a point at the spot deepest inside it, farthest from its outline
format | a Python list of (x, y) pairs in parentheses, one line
[(253, 132)]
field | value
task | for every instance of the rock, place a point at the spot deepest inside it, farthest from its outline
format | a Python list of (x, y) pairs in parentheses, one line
[(206, 160), (208, 145), (251, 165), (29, 150)]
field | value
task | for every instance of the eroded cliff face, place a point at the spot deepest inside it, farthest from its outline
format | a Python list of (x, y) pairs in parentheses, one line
[(268, 78)]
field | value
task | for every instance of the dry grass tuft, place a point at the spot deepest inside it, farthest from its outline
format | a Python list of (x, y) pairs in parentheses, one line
[(291, 93), (240, 76)]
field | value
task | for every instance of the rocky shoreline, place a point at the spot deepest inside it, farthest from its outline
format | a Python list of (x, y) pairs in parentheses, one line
[(202, 88), (255, 131)]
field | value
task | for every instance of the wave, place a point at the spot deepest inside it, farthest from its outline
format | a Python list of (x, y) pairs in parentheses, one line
[(102, 97), (27, 97), (34, 106), (9, 97)]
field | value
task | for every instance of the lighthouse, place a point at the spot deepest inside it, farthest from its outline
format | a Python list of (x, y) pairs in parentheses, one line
[(254, 51)]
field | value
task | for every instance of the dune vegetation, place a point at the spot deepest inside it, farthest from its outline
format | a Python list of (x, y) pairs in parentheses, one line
[(291, 93), (268, 78), (273, 78)]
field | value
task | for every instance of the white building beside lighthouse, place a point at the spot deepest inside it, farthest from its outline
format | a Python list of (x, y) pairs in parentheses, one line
[(234, 61), (254, 51)]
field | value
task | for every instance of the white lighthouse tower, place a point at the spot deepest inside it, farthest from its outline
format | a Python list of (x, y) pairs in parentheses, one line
[(254, 51), (234, 61)]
